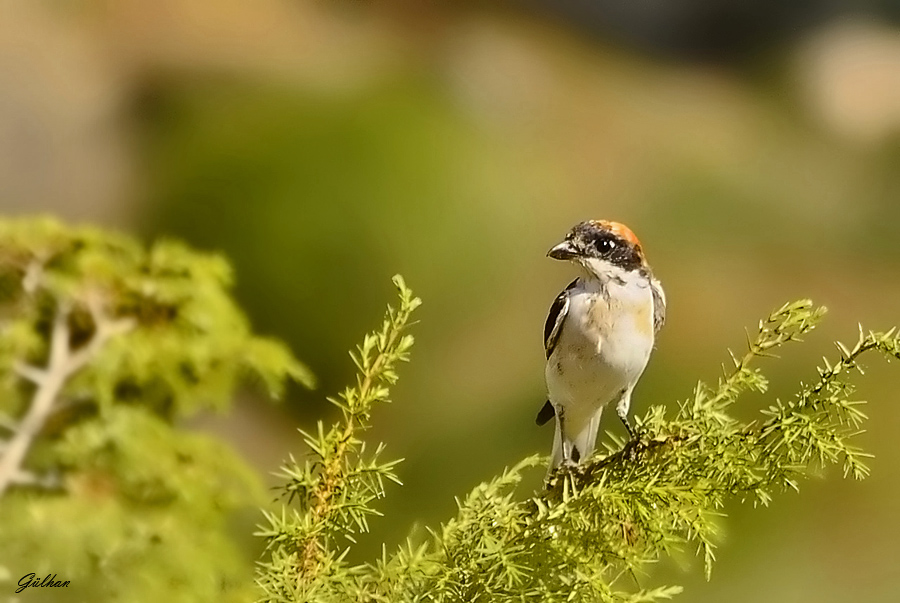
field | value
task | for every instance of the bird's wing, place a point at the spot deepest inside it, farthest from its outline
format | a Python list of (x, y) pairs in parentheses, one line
[(546, 413), (659, 305), (555, 319), (552, 328)]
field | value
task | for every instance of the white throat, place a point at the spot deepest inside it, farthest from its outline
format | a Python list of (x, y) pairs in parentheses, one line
[(608, 273)]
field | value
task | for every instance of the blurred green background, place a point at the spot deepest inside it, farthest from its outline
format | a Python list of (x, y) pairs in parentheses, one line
[(323, 147)]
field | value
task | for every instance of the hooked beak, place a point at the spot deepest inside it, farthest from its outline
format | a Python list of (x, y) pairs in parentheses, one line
[(563, 251)]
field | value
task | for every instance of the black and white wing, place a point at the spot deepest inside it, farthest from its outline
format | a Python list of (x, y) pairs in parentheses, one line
[(552, 329), (555, 319), (659, 305)]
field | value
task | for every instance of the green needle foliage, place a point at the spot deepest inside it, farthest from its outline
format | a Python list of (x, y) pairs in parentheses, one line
[(104, 346), (337, 486), (593, 530)]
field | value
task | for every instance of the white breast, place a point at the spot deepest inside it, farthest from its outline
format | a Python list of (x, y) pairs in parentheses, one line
[(603, 347)]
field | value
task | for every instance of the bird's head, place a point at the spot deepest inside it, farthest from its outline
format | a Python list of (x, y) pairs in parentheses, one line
[(601, 247)]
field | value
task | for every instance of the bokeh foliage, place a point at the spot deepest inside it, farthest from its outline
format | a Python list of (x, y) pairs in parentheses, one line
[(121, 342)]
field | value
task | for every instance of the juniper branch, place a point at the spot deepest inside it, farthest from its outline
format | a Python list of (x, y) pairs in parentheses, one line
[(652, 498), (336, 488), (375, 360), (589, 535)]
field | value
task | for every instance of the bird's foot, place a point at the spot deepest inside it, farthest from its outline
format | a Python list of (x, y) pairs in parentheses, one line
[(633, 447), (568, 465), (632, 432)]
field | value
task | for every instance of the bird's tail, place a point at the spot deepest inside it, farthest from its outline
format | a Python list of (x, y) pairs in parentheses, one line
[(581, 446)]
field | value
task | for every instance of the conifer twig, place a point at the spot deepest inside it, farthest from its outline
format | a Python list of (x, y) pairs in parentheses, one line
[(332, 472), (390, 345)]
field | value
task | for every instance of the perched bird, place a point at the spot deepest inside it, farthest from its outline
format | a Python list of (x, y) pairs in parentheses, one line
[(598, 335)]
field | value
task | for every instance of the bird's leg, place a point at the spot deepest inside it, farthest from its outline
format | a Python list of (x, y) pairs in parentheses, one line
[(622, 410), (634, 445), (632, 433), (566, 447), (567, 460)]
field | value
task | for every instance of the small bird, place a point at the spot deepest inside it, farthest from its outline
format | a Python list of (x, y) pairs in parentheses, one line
[(598, 335)]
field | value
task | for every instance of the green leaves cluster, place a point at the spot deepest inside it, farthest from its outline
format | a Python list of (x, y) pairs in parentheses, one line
[(592, 533), (104, 346)]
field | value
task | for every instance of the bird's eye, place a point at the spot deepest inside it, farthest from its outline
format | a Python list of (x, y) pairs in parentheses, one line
[(605, 245)]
